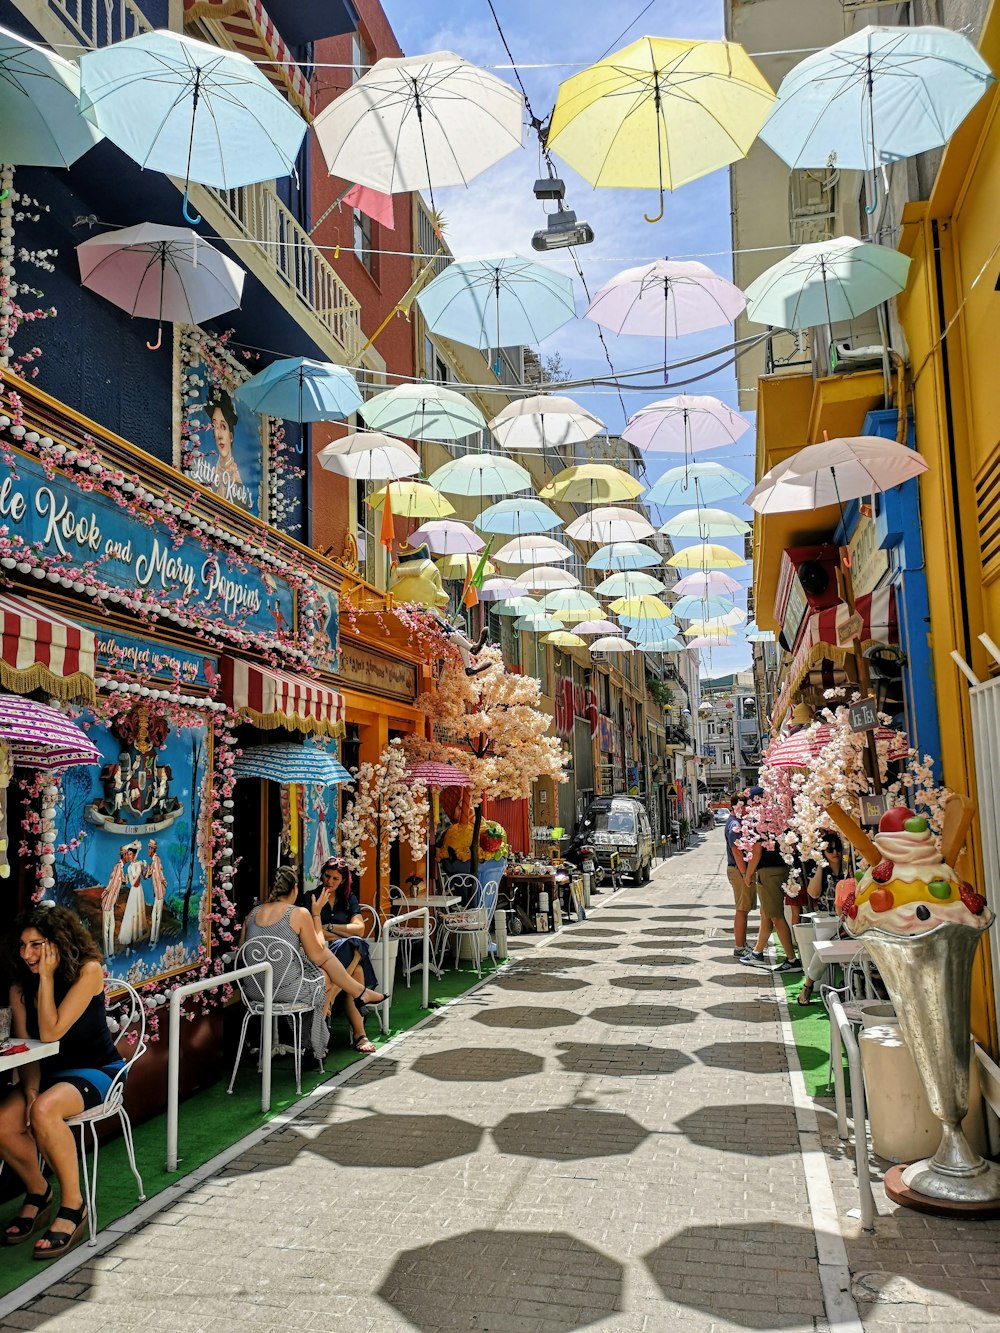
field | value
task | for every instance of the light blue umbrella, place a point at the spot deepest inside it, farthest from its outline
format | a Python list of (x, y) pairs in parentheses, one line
[(880, 95), (753, 634), (423, 412), (516, 518), (629, 584), (702, 483), (669, 644), (287, 763), (191, 110), (40, 121), (825, 283), (501, 301), (520, 606), (699, 608), (480, 474), (705, 523), (302, 390), (625, 555), (539, 623)]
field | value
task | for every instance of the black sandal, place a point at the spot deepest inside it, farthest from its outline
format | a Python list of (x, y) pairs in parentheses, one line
[(363, 1044), (27, 1226), (372, 994), (805, 995), (60, 1242)]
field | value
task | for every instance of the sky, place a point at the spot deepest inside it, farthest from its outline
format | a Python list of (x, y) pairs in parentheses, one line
[(498, 213)]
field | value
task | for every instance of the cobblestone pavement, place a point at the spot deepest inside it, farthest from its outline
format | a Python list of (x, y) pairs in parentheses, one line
[(602, 1136)]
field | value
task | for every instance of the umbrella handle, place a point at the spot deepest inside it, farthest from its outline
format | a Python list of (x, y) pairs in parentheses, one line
[(193, 218), (155, 347), (659, 215)]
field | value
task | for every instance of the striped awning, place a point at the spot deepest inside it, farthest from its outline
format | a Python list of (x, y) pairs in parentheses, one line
[(41, 650), (249, 28), (272, 699)]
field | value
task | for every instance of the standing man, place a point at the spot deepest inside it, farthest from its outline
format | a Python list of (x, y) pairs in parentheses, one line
[(153, 870), (744, 894), (109, 901), (767, 870)]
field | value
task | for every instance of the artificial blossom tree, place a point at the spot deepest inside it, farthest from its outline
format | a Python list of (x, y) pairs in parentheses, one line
[(388, 805)]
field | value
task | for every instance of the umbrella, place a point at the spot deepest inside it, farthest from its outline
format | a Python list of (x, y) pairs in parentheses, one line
[(591, 483), (754, 635), (705, 523), (667, 298), (423, 412), (561, 638), (712, 629), (538, 623), (161, 273), (659, 113), (704, 582), (571, 604), (612, 643), (834, 472), (518, 518), (504, 301), (419, 122), (461, 566), (480, 474), (825, 283), (799, 750), (437, 775), (704, 554), (643, 605), (496, 589), (533, 549), (370, 456), (446, 537), (297, 389), (40, 121), (41, 737), (519, 606), (190, 109), (708, 641), (699, 606), (629, 585), (597, 627), (544, 578), (879, 95), (411, 499), (288, 763), (611, 524), (625, 555), (707, 482), (544, 421), (685, 425), (667, 644)]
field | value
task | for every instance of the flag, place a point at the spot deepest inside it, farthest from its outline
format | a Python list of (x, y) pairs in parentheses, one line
[(387, 531), (474, 580)]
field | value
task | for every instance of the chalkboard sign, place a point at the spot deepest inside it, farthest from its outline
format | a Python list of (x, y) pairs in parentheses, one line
[(862, 715)]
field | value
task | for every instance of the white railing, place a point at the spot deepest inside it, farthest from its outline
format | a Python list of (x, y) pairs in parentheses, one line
[(100, 22), (386, 980)]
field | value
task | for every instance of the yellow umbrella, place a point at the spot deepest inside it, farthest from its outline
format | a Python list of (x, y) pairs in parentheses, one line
[(703, 555), (590, 484), (562, 638), (698, 629), (412, 499), (646, 606), (458, 566), (659, 113)]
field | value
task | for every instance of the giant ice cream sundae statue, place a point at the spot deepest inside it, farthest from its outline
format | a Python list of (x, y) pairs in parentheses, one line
[(922, 925)]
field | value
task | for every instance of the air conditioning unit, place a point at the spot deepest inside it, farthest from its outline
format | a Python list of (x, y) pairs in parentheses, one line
[(845, 358)]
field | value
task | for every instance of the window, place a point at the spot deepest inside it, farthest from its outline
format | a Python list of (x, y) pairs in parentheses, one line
[(364, 244), (361, 57)]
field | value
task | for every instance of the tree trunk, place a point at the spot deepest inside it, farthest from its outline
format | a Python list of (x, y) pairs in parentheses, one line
[(477, 823)]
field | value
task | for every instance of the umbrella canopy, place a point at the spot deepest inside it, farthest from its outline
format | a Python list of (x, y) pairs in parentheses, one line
[(561, 638), (625, 555), (439, 776), (545, 578), (518, 518), (710, 629), (629, 584), (834, 472), (461, 566), (41, 737), (538, 623), (520, 606), (708, 641), (667, 298), (288, 763), (704, 554), (423, 412), (685, 425), (443, 536), (705, 523), (754, 635), (534, 549), (496, 589), (298, 389), (643, 605), (370, 456), (659, 112), (799, 750), (702, 482), (40, 121), (480, 474), (825, 283), (597, 627), (698, 607), (571, 604), (419, 122), (879, 95), (161, 273), (612, 643), (591, 483), (544, 421), (669, 643), (705, 581), (504, 301), (411, 499), (611, 524)]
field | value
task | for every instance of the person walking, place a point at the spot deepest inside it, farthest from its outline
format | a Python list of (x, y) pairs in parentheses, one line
[(767, 871), (744, 895)]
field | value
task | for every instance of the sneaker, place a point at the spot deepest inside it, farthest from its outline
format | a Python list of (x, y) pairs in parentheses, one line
[(789, 965), (740, 950), (752, 959)]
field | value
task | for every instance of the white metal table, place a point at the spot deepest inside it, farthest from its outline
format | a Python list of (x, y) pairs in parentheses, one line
[(37, 1050)]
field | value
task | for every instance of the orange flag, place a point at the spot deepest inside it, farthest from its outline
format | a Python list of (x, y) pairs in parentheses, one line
[(387, 533), (470, 593)]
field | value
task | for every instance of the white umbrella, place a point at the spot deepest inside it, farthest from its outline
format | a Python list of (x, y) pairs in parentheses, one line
[(370, 456), (705, 582), (610, 523), (496, 589), (480, 474), (534, 548), (597, 627), (446, 536), (686, 424), (545, 578), (544, 421), (612, 643), (519, 606), (834, 472)]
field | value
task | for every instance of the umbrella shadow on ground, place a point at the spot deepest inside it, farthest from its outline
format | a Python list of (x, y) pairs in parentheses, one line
[(745, 1057), (579, 941), (524, 1016), (666, 932), (755, 1129), (649, 981), (478, 1064), (376, 1071), (568, 1133), (392, 1141), (742, 978), (660, 959), (620, 1061), (595, 932), (532, 981), (556, 962), (504, 1279), (642, 1015), (629, 907), (745, 1011)]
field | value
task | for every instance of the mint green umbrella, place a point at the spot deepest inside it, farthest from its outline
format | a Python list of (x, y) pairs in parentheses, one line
[(423, 412), (825, 283), (481, 474), (629, 583), (705, 523)]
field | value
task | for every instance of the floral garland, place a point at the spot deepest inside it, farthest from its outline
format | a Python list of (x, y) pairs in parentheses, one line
[(12, 313)]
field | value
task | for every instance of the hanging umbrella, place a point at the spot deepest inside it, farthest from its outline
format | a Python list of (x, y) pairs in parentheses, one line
[(41, 737), (701, 482), (423, 412), (612, 524), (190, 110), (161, 273), (591, 483), (880, 95), (496, 589), (705, 523), (612, 643), (667, 299), (445, 537), (659, 113), (571, 604), (40, 121), (699, 606), (704, 554), (544, 578), (597, 627), (437, 775), (520, 606), (538, 623), (712, 629), (561, 638), (825, 283), (297, 389), (370, 456), (666, 644), (480, 474), (533, 549), (518, 517), (625, 555), (834, 472), (462, 566), (708, 641), (419, 122), (643, 605), (288, 763), (705, 582), (685, 425), (629, 585), (544, 421), (504, 301), (753, 634), (411, 499)]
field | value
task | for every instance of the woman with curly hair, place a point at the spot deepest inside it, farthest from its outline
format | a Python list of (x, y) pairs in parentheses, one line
[(58, 995), (336, 914)]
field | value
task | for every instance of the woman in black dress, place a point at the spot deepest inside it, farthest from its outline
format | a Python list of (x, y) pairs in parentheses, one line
[(336, 913)]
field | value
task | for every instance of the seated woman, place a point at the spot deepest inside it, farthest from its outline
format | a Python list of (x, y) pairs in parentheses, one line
[(820, 878), (323, 975), (58, 996), (336, 914)]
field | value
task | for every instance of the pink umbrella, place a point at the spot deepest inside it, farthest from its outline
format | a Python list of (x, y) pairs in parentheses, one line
[(798, 750), (703, 583), (498, 589), (373, 203), (685, 425), (445, 536), (709, 641), (41, 737), (439, 775), (597, 627)]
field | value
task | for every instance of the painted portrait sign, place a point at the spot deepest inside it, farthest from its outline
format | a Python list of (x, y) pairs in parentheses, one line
[(225, 446)]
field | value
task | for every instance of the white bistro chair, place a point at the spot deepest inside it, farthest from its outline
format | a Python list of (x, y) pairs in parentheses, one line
[(470, 922), (288, 980)]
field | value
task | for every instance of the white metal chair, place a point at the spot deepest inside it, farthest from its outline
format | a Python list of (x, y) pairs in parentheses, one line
[(373, 927), (288, 982), (470, 922), (408, 932), (128, 1013)]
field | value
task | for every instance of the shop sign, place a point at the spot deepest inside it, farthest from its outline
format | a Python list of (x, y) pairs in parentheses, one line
[(862, 716), (151, 661), (872, 809), (573, 700), (87, 528), (850, 629), (869, 563), (377, 674), (795, 611)]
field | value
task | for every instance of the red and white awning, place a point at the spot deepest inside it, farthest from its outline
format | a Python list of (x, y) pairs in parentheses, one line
[(41, 650), (272, 699), (250, 29)]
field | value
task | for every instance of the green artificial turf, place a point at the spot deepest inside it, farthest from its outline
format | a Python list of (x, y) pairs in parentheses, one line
[(211, 1120), (811, 1030)]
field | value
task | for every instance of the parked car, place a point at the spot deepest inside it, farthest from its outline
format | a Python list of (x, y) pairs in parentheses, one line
[(721, 816), (615, 824)]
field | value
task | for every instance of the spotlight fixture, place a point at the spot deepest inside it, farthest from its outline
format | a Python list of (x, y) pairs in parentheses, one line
[(562, 231), (550, 188)]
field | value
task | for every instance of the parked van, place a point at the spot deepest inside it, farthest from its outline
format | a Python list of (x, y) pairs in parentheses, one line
[(616, 824)]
